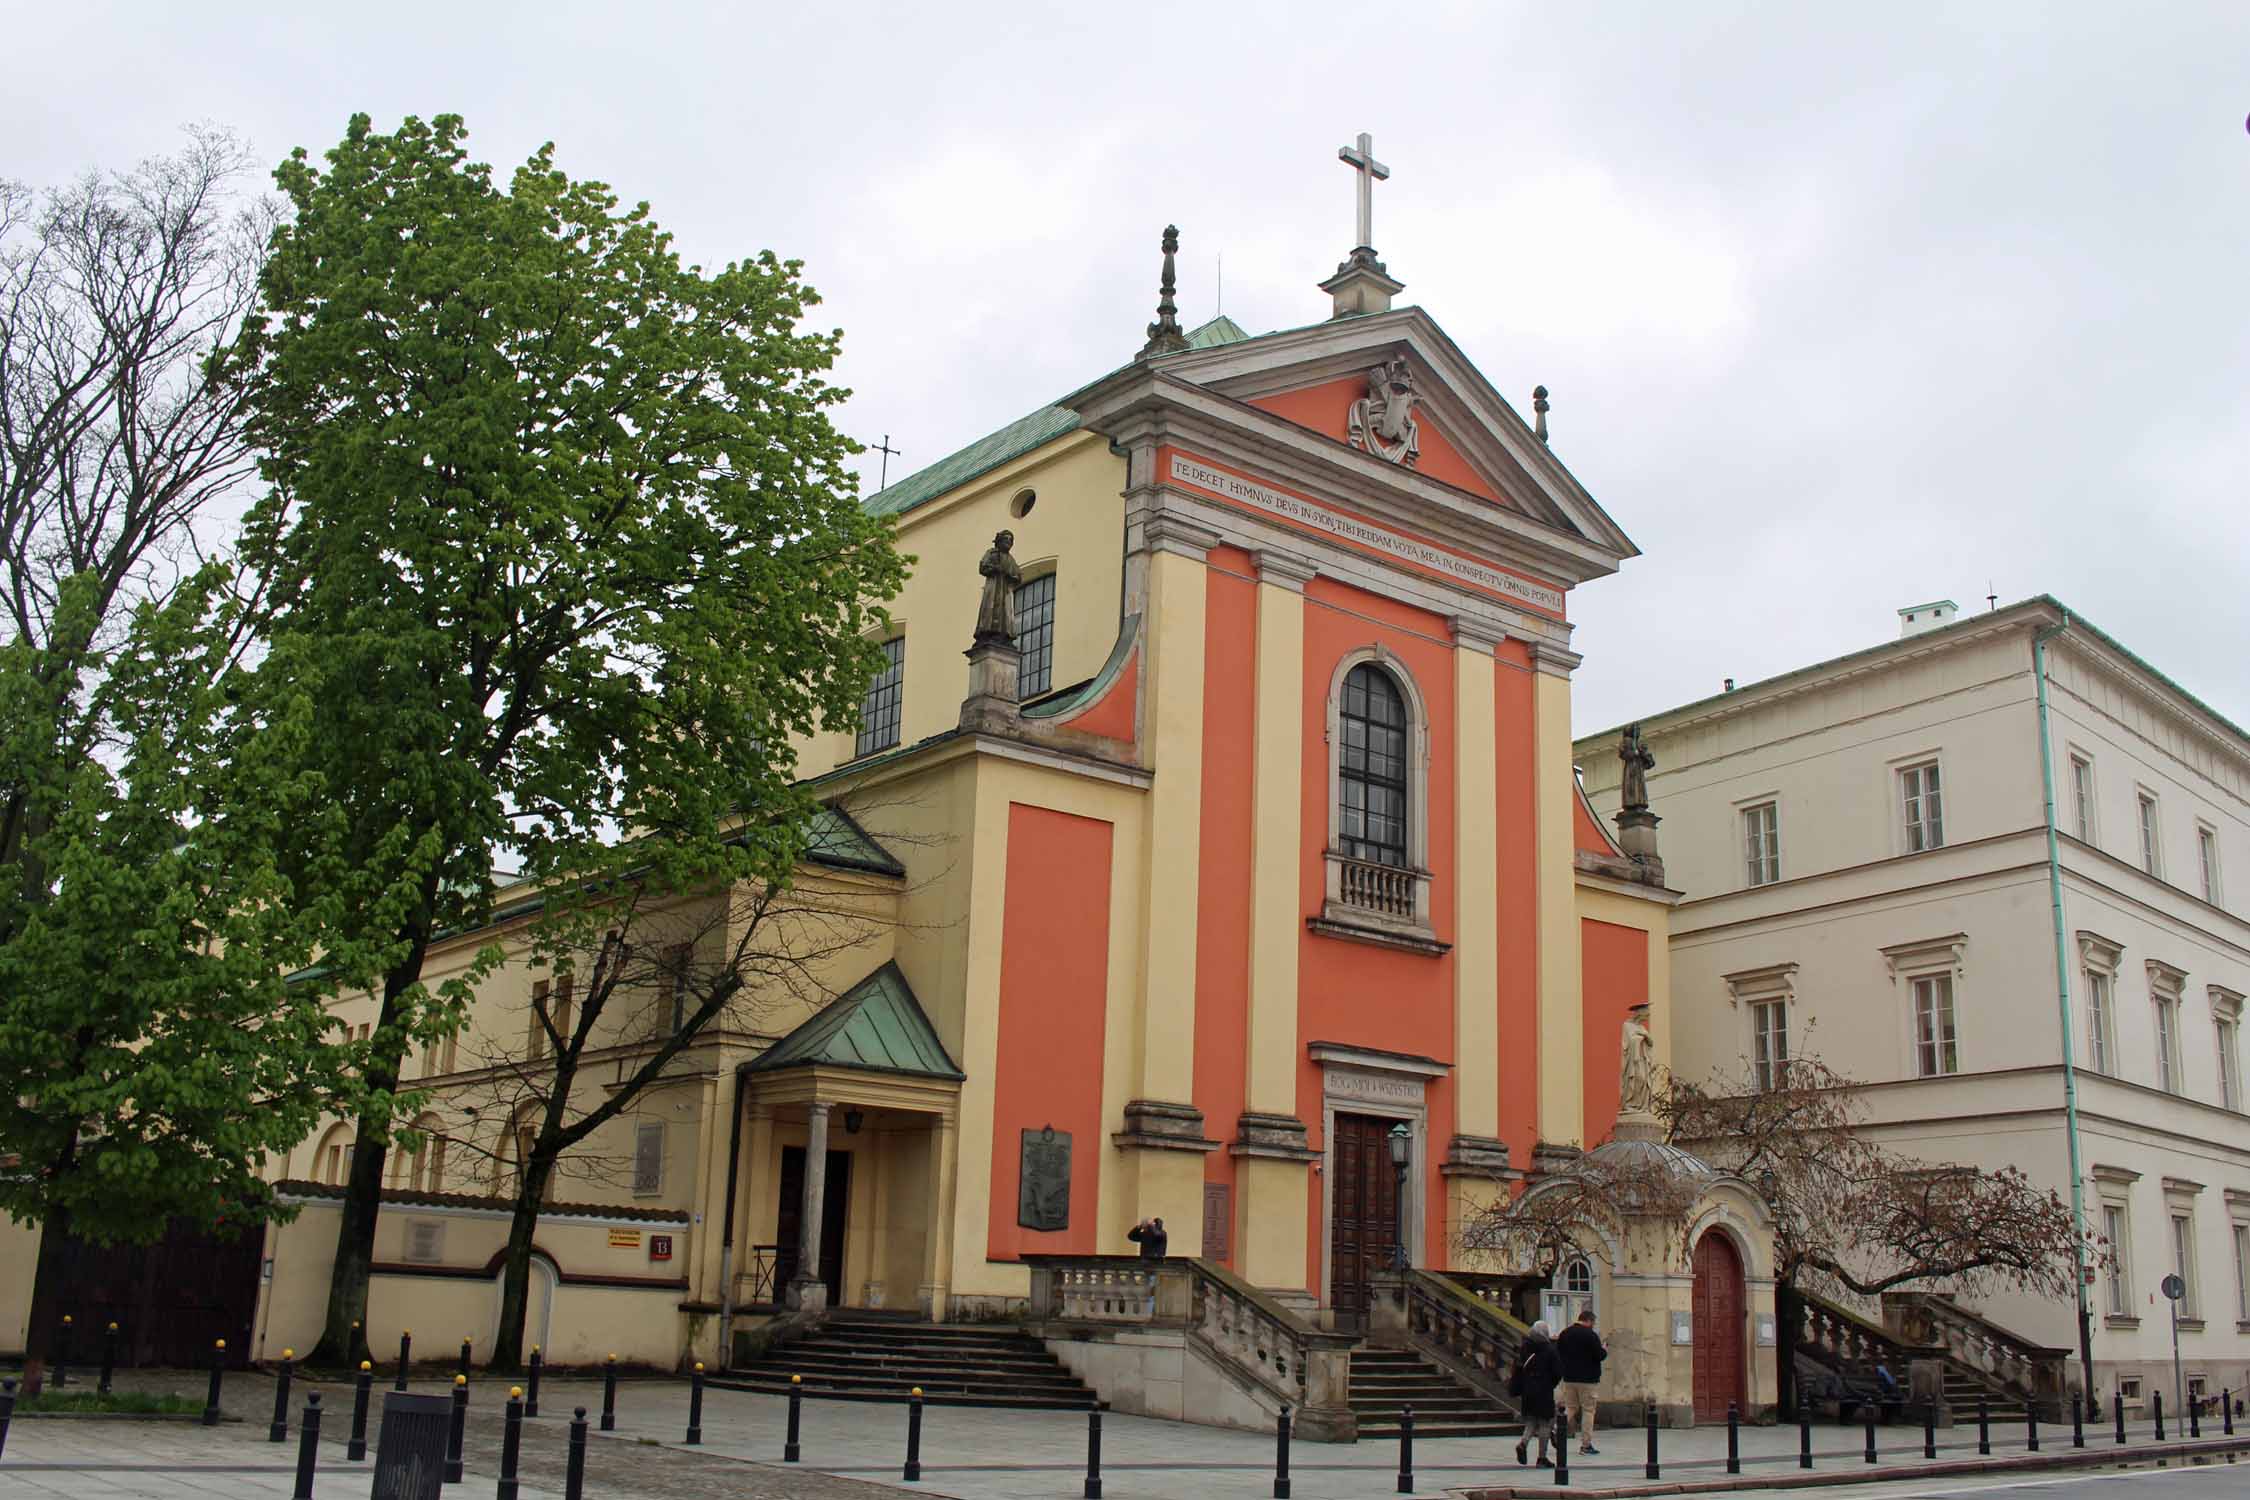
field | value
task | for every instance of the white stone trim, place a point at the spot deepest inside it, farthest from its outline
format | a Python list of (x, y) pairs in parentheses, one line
[(1929, 956), (1409, 1101)]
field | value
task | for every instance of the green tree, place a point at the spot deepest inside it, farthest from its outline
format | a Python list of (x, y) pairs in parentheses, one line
[(560, 542)]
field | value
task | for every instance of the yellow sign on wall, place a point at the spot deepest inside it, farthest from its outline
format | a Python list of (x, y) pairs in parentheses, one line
[(624, 1239)]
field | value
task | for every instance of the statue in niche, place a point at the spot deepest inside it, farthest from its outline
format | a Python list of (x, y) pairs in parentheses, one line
[(1636, 1066), (1634, 751), (1043, 1197), (996, 611), (1382, 421)]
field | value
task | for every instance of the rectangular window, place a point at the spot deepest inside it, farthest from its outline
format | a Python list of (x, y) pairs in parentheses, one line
[(1761, 833), (2230, 1063), (2167, 1043), (2098, 1038), (1925, 810), (2151, 852), (879, 710), (2120, 1263), (1769, 1043), (2207, 850), (535, 1048), (2183, 1263), (674, 988), (1035, 635), (648, 1158), (562, 1008), (2082, 795), (1936, 1050), (2242, 1273)]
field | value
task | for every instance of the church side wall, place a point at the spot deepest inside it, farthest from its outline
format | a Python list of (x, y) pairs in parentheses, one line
[(1616, 969)]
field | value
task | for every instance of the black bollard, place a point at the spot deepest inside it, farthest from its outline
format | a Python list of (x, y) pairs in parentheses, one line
[(574, 1474), (1734, 1439), (109, 1356), (1093, 1453), (790, 1451), (914, 1435), (1984, 1425), (511, 1444), (1650, 1470), (1871, 1432), (1562, 1448), (308, 1447), (2120, 1398), (1804, 1436), (531, 1387), (2226, 1414), (279, 1431), (1929, 1429), (2031, 1425), (2156, 1400), (2195, 1418), (1406, 1450), (405, 1352), (458, 1431), (1281, 1456), (609, 1394), (218, 1368), (355, 1447), (7, 1410), (695, 1406), (466, 1346), (2077, 1422), (62, 1353)]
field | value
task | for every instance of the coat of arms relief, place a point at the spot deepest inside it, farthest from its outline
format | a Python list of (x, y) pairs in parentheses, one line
[(1382, 421)]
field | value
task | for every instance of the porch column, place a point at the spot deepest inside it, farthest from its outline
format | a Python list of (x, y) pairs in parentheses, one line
[(808, 1292)]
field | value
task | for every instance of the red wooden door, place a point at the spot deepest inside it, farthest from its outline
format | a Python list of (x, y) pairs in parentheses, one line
[(1719, 1316), (1363, 1223)]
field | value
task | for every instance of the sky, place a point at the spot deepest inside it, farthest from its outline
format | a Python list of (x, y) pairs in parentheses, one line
[(1842, 308)]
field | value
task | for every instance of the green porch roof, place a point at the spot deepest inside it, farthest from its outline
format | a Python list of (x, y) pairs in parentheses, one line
[(833, 838), (876, 1026)]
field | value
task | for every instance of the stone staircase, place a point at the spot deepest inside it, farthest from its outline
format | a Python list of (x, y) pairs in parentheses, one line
[(850, 1359), (1383, 1381)]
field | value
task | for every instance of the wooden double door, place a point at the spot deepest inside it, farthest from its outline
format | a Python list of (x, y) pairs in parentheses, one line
[(170, 1300), (1363, 1213), (1721, 1310), (835, 1198)]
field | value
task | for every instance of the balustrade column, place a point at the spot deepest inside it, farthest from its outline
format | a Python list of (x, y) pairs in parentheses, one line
[(807, 1291)]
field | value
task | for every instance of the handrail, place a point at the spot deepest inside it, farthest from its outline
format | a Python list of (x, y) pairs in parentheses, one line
[(2036, 1372), (1473, 1336), (1838, 1336)]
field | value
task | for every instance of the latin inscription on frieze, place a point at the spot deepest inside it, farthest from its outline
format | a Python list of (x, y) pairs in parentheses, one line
[(1043, 1200), (1374, 1088)]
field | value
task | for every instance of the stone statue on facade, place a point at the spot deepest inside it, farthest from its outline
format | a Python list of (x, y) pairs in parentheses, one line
[(1382, 422), (1636, 1066), (996, 611), (1634, 752)]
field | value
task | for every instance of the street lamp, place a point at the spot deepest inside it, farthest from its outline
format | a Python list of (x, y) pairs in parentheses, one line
[(1402, 1144)]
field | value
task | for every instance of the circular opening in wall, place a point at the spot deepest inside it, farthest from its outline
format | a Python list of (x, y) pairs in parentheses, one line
[(1022, 504)]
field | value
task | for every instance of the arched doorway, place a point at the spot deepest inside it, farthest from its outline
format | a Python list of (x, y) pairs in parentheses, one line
[(1720, 1313)]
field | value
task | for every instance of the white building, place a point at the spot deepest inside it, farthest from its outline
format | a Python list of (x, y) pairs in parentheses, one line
[(1865, 850)]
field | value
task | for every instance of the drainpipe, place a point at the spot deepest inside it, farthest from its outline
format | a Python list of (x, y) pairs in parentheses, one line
[(726, 1231), (2062, 999)]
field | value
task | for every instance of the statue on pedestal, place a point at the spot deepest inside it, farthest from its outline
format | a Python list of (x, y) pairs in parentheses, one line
[(1634, 751), (996, 611), (1636, 1068)]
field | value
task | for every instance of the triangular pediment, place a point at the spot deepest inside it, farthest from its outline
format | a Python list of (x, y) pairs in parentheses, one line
[(876, 1026), (1468, 437)]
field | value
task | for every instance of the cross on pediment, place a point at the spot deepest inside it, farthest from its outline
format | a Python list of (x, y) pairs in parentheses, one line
[(1361, 159)]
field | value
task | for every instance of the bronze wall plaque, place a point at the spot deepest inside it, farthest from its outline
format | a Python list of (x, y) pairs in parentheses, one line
[(1043, 1201), (1218, 1220)]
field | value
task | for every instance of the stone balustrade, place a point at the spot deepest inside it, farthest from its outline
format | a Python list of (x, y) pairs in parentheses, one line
[(2034, 1372), (1438, 1315)]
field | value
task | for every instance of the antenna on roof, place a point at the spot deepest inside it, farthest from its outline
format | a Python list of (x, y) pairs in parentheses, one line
[(1539, 412), (884, 447), (1991, 599), (1221, 279)]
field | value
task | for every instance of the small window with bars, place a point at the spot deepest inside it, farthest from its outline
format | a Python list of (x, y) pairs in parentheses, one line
[(648, 1158), (879, 711), (1372, 767), (1035, 635)]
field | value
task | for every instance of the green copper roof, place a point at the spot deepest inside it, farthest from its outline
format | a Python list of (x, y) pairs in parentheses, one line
[(834, 839), (1220, 330), (876, 1026), (987, 453)]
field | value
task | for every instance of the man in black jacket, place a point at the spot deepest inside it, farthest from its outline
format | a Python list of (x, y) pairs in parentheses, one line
[(1150, 1236), (1582, 1355)]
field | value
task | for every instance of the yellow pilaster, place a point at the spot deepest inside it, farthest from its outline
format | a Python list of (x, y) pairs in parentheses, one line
[(1561, 1024), (1476, 943), (1173, 724), (1271, 1192), (971, 1198)]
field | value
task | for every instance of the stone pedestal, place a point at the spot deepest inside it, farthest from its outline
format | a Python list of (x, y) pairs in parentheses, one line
[(994, 669), (1636, 835)]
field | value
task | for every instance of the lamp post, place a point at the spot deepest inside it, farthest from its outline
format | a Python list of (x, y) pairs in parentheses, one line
[(1402, 1144)]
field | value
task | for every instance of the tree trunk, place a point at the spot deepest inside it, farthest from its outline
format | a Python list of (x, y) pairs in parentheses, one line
[(46, 1294), (515, 1283), (1788, 1312)]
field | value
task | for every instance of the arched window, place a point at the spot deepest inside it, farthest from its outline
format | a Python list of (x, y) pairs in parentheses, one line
[(332, 1158), (1371, 767), (1378, 876), (1570, 1292)]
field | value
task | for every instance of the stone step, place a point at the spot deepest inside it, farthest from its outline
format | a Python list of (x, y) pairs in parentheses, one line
[(931, 1335), (931, 1396), (1379, 1431), (905, 1376), (802, 1354)]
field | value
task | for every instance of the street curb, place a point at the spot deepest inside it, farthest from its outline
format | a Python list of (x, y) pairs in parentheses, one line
[(1794, 1479)]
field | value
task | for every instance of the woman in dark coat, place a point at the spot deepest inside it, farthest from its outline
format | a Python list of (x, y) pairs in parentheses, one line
[(1538, 1372)]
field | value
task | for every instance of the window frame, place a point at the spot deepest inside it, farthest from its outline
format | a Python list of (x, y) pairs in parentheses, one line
[(1761, 857), (879, 714), (1942, 1049), (1921, 809), (2238, 1238), (2207, 860), (2167, 993), (2119, 1306), (2084, 798), (2098, 960), (2182, 1217), (643, 1132), (2150, 812), (1042, 652), (2226, 1034), (1769, 1065), (1347, 918)]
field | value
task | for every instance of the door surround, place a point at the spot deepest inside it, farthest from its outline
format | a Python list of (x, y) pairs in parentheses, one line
[(1390, 1085)]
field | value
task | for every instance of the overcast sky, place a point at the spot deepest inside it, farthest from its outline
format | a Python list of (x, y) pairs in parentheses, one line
[(1843, 308)]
